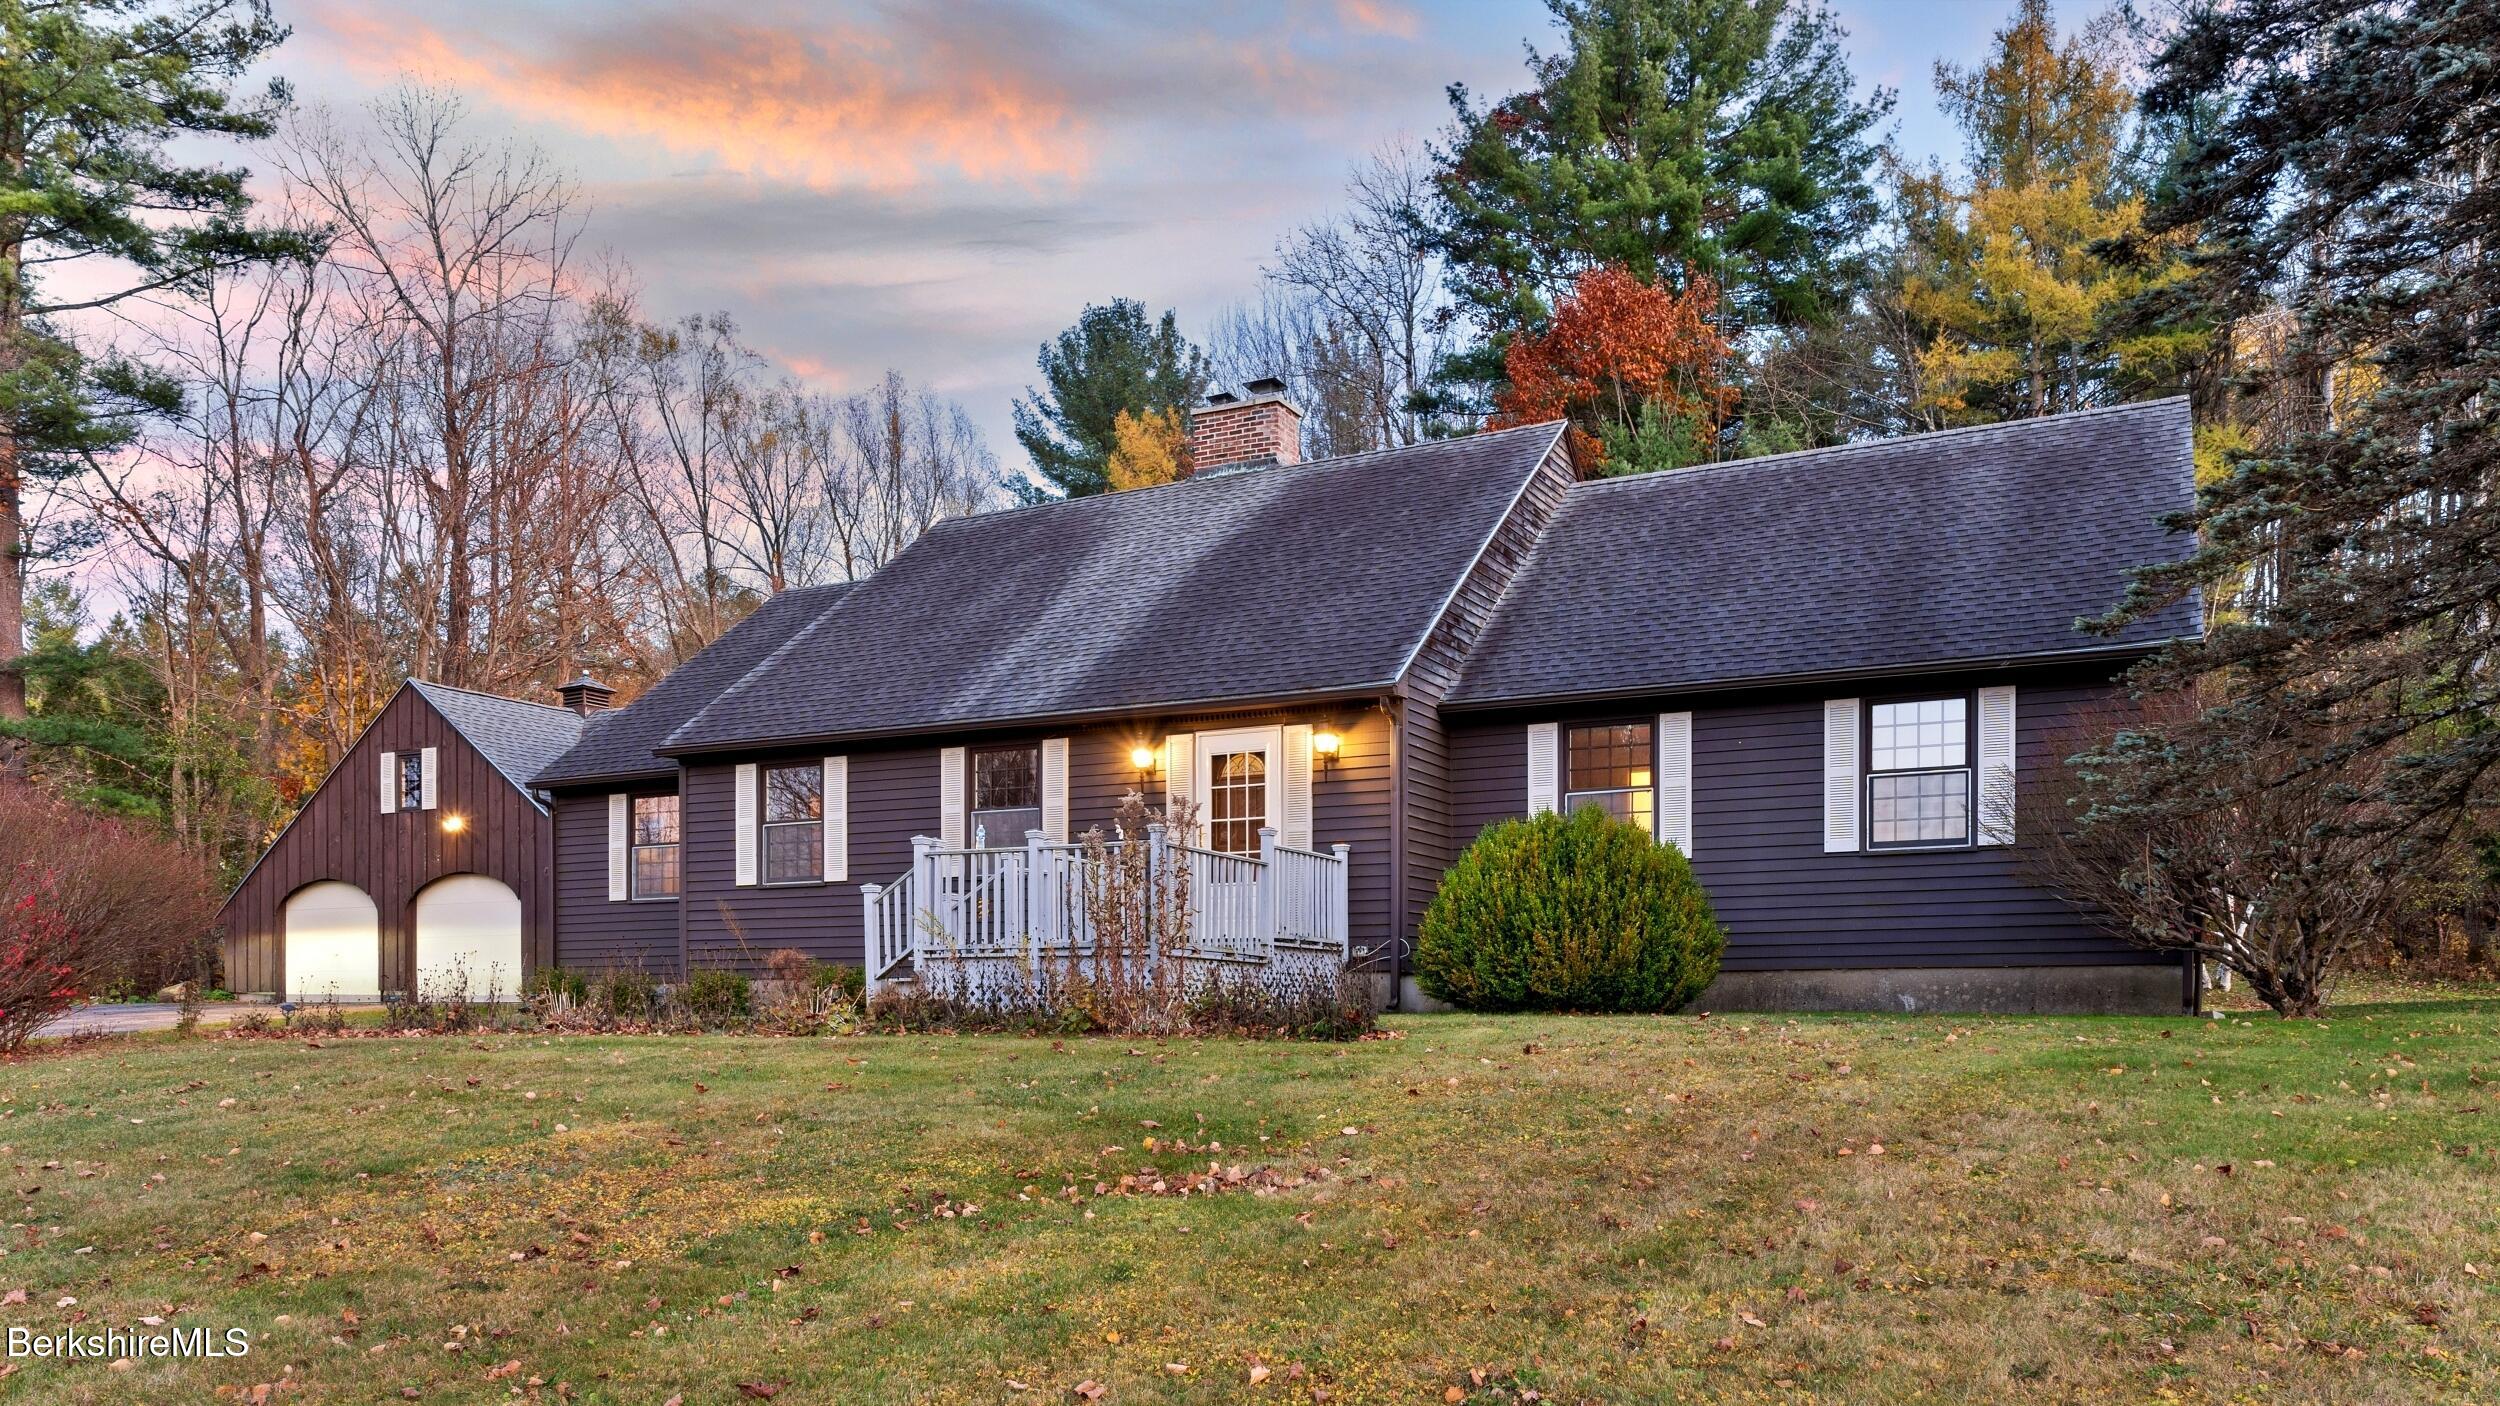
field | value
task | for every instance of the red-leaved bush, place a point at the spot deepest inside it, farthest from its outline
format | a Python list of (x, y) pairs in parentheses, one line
[(91, 905)]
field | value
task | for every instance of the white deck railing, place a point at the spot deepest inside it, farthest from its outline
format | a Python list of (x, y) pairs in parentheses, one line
[(964, 904)]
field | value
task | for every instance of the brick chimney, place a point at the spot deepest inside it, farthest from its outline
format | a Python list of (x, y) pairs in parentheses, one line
[(585, 695), (1252, 429)]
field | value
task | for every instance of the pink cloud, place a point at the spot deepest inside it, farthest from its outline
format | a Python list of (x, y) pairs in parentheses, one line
[(1378, 17), (831, 105)]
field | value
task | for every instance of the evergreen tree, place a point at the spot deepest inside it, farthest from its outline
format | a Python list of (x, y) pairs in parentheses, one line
[(91, 94), (2341, 187), (1678, 139), (1112, 360)]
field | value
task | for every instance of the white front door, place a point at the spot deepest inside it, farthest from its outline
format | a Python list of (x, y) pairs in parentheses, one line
[(469, 933), (1240, 787)]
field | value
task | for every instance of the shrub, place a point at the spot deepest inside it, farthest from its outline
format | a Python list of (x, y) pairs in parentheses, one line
[(714, 996), (627, 993), (1584, 914), (91, 905)]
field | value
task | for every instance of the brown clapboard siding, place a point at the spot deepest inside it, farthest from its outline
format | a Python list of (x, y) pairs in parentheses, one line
[(894, 796), (1424, 743), (593, 933), (1758, 848), (341, 834)]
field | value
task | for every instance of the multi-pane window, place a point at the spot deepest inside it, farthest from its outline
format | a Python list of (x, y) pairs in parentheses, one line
[(1918, 781), (1236, 801), (412, 781), (655, 846), (794, 823), (1006, 795), (1609, 767)]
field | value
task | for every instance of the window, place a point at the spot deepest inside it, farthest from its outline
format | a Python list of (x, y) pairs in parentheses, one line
[(412, 781), (1006, 795), (1609, 767), (655, 846), (1236, 801), (1918, 782), (794, 823)]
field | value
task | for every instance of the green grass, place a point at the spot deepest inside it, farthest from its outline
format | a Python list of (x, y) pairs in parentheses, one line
[(1616, 1210)]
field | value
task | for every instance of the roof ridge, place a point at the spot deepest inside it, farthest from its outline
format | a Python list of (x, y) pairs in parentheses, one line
[(1891, 442), (1242, 475), (422, 685)]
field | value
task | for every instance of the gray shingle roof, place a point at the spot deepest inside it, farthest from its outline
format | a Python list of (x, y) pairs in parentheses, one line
[(1307, 579), (1971, 544), (618, 744), (516, 738)]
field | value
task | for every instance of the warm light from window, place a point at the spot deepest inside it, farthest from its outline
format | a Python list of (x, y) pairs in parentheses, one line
[(454, 824), (1325, 744), (1142, 758)]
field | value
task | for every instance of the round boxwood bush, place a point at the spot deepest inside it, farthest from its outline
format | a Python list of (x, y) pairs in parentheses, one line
[(1580, 914)]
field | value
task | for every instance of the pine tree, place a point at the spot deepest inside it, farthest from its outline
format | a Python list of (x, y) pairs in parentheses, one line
[(91, 94), (1112, 360), (2345, 202), (1678, 139)]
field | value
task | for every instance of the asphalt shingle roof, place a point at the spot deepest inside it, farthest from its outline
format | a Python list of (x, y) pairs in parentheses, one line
[(618, 744), (1305, 579), (516, 738), (1971, 544)]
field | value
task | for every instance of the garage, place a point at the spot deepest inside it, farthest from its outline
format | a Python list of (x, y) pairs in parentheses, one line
[(333, 944), (468, 931)]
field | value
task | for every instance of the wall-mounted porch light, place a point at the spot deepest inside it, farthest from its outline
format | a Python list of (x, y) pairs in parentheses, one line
[(454, 824), (1325, 744), (1142, 758)]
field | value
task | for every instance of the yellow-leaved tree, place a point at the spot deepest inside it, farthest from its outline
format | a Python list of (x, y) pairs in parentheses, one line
[(2007, 265), (1147, 449)]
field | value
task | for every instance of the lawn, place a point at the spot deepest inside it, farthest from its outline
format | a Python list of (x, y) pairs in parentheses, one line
[(1732, 1208)]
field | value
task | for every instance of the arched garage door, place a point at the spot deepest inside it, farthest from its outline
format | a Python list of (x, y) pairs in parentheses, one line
[(333, 944), (469, 924)]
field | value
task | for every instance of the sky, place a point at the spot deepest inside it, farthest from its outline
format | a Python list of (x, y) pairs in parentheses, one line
[(940, 187)]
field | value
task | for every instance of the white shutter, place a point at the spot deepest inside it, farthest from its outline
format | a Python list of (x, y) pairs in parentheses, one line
[(1180, 773), (744, 822), (837, 822), (1675, 780), (951, 797), (1544, 767), (1840, 775), (1054, 789), (1996, 765), (1293, 825), (390, 782), (428, 783), (620, 820)]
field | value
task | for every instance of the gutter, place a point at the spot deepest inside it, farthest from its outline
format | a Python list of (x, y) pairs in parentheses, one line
[(947, 727), (1673, 688)]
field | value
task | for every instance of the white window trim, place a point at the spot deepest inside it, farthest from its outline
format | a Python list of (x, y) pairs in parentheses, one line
[(620, 846), (1969, 767)]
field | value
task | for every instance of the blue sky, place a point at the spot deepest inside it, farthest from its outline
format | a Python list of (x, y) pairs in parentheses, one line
[(938, 188)]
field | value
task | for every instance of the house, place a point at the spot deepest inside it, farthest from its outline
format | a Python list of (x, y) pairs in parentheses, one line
[(1825, 675), (424, 860)]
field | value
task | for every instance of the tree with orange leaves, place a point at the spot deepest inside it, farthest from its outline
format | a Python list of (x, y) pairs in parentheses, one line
[(1637, 370)]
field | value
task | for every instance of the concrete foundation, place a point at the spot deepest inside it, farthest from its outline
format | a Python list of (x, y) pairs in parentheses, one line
[(2135, 990), (2139, 990)]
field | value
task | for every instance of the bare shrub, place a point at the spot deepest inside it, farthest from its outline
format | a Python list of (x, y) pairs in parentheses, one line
[(91, 904), (2276, 870)]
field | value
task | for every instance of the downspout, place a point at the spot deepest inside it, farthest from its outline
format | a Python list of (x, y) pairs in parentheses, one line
[(1392, 707)]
